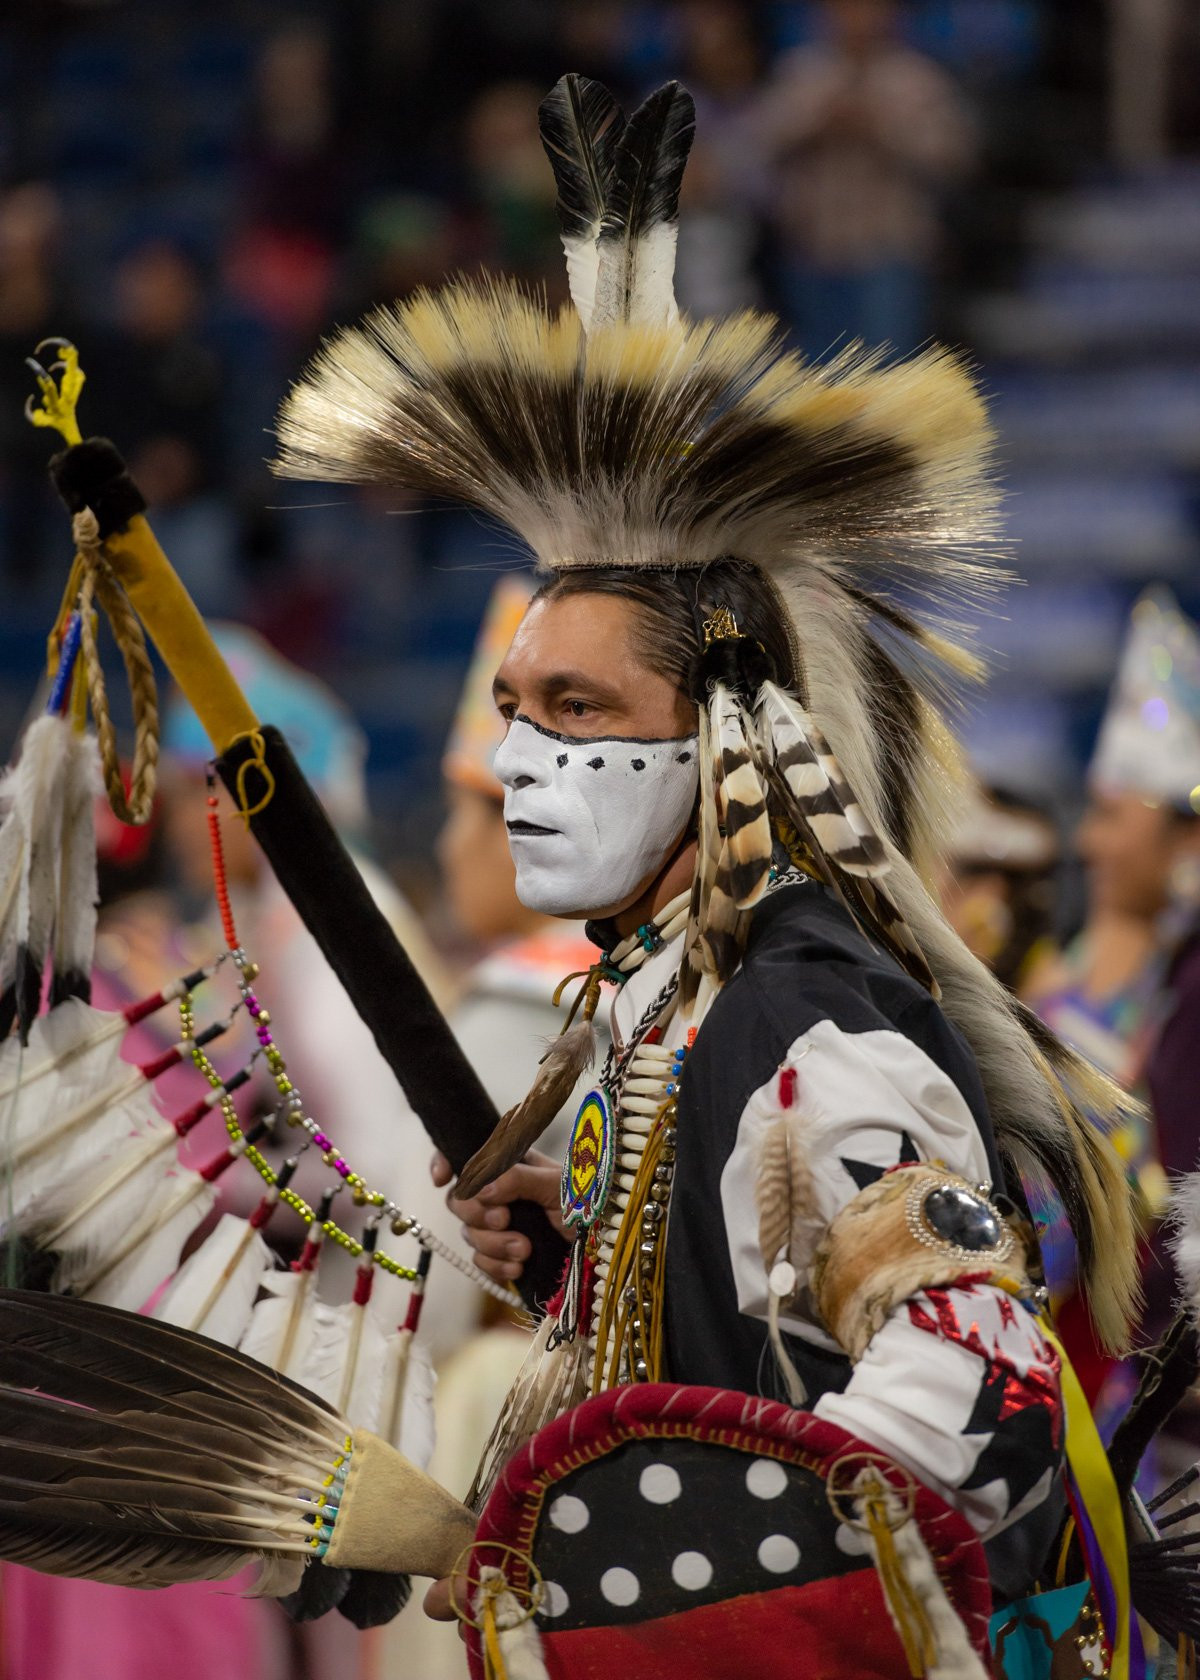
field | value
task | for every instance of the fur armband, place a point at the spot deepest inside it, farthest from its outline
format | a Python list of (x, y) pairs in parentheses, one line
[(909, 1230)]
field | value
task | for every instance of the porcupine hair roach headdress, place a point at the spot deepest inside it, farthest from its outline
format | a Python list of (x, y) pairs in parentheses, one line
[(616, 434)]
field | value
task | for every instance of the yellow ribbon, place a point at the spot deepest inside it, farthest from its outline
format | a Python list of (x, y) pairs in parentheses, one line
[(1098, 1491)]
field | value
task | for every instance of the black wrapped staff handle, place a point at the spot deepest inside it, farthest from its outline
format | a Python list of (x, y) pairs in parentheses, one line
[(414, 1038)]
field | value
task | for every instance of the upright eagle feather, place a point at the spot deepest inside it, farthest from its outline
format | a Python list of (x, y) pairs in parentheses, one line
[(636, 247), (581, 125)]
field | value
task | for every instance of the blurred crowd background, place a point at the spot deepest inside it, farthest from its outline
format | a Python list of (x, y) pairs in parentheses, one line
[(196, 192)]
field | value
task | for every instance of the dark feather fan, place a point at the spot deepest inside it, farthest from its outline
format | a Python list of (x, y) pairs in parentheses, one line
[(140, 1454)]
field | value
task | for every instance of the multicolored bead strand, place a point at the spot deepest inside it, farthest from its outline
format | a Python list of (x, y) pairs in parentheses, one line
[(292, 1104)]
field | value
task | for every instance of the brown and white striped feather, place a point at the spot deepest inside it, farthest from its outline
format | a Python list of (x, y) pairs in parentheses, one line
[(825, 799), (722, 925), (744, 818), (708, 851)]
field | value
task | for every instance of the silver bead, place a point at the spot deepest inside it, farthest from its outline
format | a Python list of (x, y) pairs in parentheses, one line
[(641, 1370), (653, 1212)]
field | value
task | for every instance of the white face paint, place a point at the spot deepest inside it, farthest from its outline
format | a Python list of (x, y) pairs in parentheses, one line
[(590, 820)]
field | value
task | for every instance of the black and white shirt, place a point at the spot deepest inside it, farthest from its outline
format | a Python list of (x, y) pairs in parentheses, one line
[(823, 1030)]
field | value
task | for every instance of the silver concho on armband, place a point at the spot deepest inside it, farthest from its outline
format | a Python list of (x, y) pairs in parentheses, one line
[(959, 1221)]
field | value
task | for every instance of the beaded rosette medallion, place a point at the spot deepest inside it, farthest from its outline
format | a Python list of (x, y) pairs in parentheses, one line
[(588, 1165)]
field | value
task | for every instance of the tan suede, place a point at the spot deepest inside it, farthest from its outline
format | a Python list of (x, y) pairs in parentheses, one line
[(395, 1518), (870, 1260)]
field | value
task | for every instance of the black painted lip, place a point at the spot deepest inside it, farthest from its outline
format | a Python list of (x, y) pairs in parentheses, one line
[(519, 827)]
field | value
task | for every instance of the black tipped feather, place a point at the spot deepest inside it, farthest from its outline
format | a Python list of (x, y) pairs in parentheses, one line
[(375, 1598), (648, 167), (137, 1453), (581, 125), (321, 1590)]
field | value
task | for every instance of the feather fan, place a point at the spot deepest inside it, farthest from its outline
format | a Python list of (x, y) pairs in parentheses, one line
[(150, 1456), (141, 1454)]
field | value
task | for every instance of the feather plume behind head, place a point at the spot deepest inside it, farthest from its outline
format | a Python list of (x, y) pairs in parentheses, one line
[(664, 445)]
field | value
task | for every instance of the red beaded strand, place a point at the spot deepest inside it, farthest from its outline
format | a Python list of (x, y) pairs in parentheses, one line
[(220, 882)]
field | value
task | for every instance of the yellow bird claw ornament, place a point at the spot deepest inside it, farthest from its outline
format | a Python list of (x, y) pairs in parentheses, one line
[(57, 407)]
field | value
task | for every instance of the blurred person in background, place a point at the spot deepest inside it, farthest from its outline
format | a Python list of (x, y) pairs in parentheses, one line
[(510, 192), (720, 250), (997, 889), (33, 306), (861, 137), (294, 194), (1127, 991), (157, 382)]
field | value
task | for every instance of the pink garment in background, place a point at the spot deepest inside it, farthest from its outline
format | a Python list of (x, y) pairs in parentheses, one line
[(56, 1629)]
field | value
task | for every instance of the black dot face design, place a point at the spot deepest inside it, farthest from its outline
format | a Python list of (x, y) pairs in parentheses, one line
[(684, 758), (595, 764), (561, 760), (638, 763), (655, 1528)]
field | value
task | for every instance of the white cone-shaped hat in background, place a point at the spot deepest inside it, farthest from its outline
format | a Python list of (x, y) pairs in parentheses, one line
[(1149, 740)]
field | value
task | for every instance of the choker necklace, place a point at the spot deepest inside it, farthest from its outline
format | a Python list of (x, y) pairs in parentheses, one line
[(631, 952)]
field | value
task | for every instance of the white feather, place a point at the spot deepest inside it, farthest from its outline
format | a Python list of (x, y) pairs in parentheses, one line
[(43, 1157), (583, 262), (37, 813), (103, 1198), (327, 1342), (323, 1361), (279, 1330), (1183, 1220), (410, 1381), (71, 1031), (363, 1388), (78, 892), (636, 285), (150, 1252), (213, 1292)]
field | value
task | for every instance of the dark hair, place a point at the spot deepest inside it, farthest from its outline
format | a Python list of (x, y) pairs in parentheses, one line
[(669, 630), (673, 605)]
